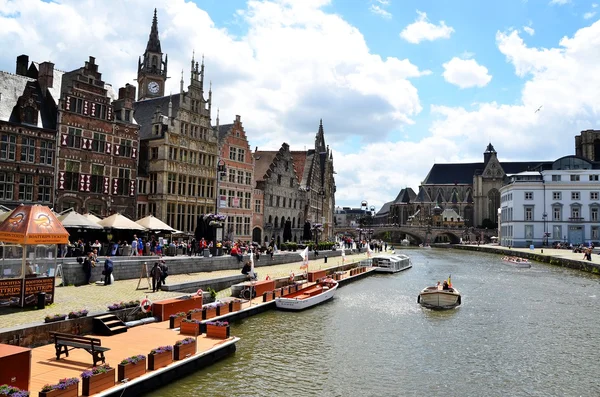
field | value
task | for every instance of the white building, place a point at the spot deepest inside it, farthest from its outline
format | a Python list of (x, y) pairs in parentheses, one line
[(557, 204)]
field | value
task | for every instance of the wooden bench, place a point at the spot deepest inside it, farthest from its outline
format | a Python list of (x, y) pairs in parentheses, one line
[(65, 342)]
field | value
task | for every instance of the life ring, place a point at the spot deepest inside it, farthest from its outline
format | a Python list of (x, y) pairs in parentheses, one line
[(199, 292), (267, 278), (146, 305)]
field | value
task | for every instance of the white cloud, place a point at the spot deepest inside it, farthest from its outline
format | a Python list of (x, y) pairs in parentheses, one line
[(422, 29), (589, 15), (529, 30), (560, 2), (466, 73), (375, 9)]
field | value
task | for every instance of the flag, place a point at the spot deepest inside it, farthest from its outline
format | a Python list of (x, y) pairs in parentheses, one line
[(369, 251), (449, 281), (304, 255), (343, 255)]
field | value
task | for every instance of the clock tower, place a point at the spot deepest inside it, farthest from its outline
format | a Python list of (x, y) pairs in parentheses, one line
[(152, 70)]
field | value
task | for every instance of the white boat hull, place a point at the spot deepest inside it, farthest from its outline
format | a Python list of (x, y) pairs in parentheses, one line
[(439, 299), (391, 263), (301, 304)]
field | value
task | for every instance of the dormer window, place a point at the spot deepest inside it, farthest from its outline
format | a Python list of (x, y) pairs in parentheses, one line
[(29, 115)]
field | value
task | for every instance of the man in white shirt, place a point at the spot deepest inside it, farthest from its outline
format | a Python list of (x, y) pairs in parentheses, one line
[(134, 246)]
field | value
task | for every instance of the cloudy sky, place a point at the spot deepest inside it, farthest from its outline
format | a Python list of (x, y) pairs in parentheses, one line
[(400, 84)]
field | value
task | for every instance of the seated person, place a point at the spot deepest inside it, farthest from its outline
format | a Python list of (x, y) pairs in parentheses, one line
[(29, 269), (445, 287), (247, 270)]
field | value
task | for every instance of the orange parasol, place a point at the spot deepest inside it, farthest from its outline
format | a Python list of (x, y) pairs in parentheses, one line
[(35, 224)]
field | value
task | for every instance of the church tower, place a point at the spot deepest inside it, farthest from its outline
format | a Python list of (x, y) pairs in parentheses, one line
[(152, 70)]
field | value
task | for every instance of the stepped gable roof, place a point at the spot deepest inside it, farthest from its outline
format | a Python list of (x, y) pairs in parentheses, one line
[(262, 163), (299, 158), (11, 88), (462, 173), (144, 112), (223, 131)]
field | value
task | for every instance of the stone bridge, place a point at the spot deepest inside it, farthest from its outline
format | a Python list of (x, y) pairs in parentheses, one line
[(421, 234)]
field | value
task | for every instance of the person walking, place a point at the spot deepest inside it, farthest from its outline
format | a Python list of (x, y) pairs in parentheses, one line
[(156, 274), (165, 272), (134, 246), (88, 264), (108, 269)]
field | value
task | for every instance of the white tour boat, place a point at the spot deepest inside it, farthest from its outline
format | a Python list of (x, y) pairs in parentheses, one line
[(309, 296), (391, 263), (440, 297)]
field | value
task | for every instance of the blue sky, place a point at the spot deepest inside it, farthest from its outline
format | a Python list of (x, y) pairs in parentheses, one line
[(399, 84)]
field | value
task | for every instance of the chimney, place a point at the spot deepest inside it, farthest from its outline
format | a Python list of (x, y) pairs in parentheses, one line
[(46, 76), (237, 118), (22, 65)]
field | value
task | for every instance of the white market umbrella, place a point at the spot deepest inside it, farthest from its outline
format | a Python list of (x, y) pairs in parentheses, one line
[(74, 220), (92, 217), (118, 221), (154, 224)]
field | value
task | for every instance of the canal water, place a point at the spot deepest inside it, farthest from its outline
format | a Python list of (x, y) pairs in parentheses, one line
[(519, 332)]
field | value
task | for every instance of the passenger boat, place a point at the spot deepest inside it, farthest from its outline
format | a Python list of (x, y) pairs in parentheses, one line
[(440, 297), (519, 262), (309, 296), (391, 263)]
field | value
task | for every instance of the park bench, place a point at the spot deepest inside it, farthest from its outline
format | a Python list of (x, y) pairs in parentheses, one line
[(65, 342)]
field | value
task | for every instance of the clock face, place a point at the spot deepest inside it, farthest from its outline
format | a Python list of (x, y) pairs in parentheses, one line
[(153, 87)]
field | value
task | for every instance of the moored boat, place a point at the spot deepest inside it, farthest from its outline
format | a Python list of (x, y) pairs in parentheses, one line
[(309, 296), (440, 297), (391, 263), (520, 262)]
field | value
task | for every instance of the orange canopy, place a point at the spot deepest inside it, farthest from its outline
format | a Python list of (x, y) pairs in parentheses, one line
[(35, 224)]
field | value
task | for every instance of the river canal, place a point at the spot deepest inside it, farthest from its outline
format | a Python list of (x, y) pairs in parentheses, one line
[(519, 332)]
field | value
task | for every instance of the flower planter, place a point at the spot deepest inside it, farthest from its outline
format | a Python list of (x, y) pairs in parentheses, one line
[(235, 306), (96, 383), (188, 328), (221, 310), (131, 371), (182, 351), (214, 331), (195, 315), (156, 361), (70, 391), (175, 322), (209, 312), (55, 319)]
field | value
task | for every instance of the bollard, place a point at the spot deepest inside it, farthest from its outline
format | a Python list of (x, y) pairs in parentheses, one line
[(325, 259), (41, 300)]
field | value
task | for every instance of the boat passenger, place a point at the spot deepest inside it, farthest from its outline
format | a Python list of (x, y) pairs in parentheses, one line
[(445, 288)]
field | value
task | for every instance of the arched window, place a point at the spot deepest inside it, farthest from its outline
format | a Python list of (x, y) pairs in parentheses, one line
[(276, 223), (282, 222), (270, 218), (293, 222), (154, 63)]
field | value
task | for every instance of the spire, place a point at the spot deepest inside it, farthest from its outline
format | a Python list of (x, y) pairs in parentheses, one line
[(202, 74), (170, 113), (181, 83), (153, 41), (217, 120), (209, 98)]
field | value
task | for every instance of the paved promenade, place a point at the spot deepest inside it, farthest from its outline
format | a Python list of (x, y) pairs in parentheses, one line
[(96, 298), (556, 253)]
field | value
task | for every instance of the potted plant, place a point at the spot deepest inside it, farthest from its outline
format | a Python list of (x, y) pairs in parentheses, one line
[(116, 306), (190, 327), (54, 317), (184, 348), (235, 305), (97, 379), (68, 387), (222, 308), (131, 304), (195, 314), (209, 311), (217, 329), (175, 319), (6, 390), (160, 357), (131, 367), (78, 313)]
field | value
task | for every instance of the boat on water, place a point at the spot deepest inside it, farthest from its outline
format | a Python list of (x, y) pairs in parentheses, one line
[(391, 263), (405, 242), (309, 296), (424, 246), (515, 260), (440, 296)]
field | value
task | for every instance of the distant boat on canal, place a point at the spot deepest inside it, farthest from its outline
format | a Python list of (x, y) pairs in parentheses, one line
[(309, 296), (391, 263), (515, 260)]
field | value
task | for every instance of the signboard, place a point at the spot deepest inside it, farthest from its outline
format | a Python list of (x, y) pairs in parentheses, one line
[(236, 202), (222, 201), (38, 284), (10, 292)]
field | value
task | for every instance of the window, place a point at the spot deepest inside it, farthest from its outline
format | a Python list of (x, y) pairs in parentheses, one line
[(46, 153), (241, 155), (240, 177), (528, 232), (128, 118), (575, 213), (152, 209), (232, 153), (44, 189), (142, 186), (124, 181), (291, 182), (27, 150), (574, 178), (557, 232), (153, 183), (528, 195), (528, 213), (153, 153), (246, 225), (72, 175), (594, 214), (126, 148), (8, 147), (141, 210), (231, 175), (99, 143), (248, 178), (594, 177), (99, 111), (277, 205), (279, 179), (171, 183), (247, 200), (257, 206), (74, 138), (26, 187), (595, 233), (171, 208), (574, 195), (593, 195), (238, 225), (182, 183), (556, 213), (76, 105), (270, 200), (97, 180), (556, 195), (192, 186), (555, 178), (7, 184)]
